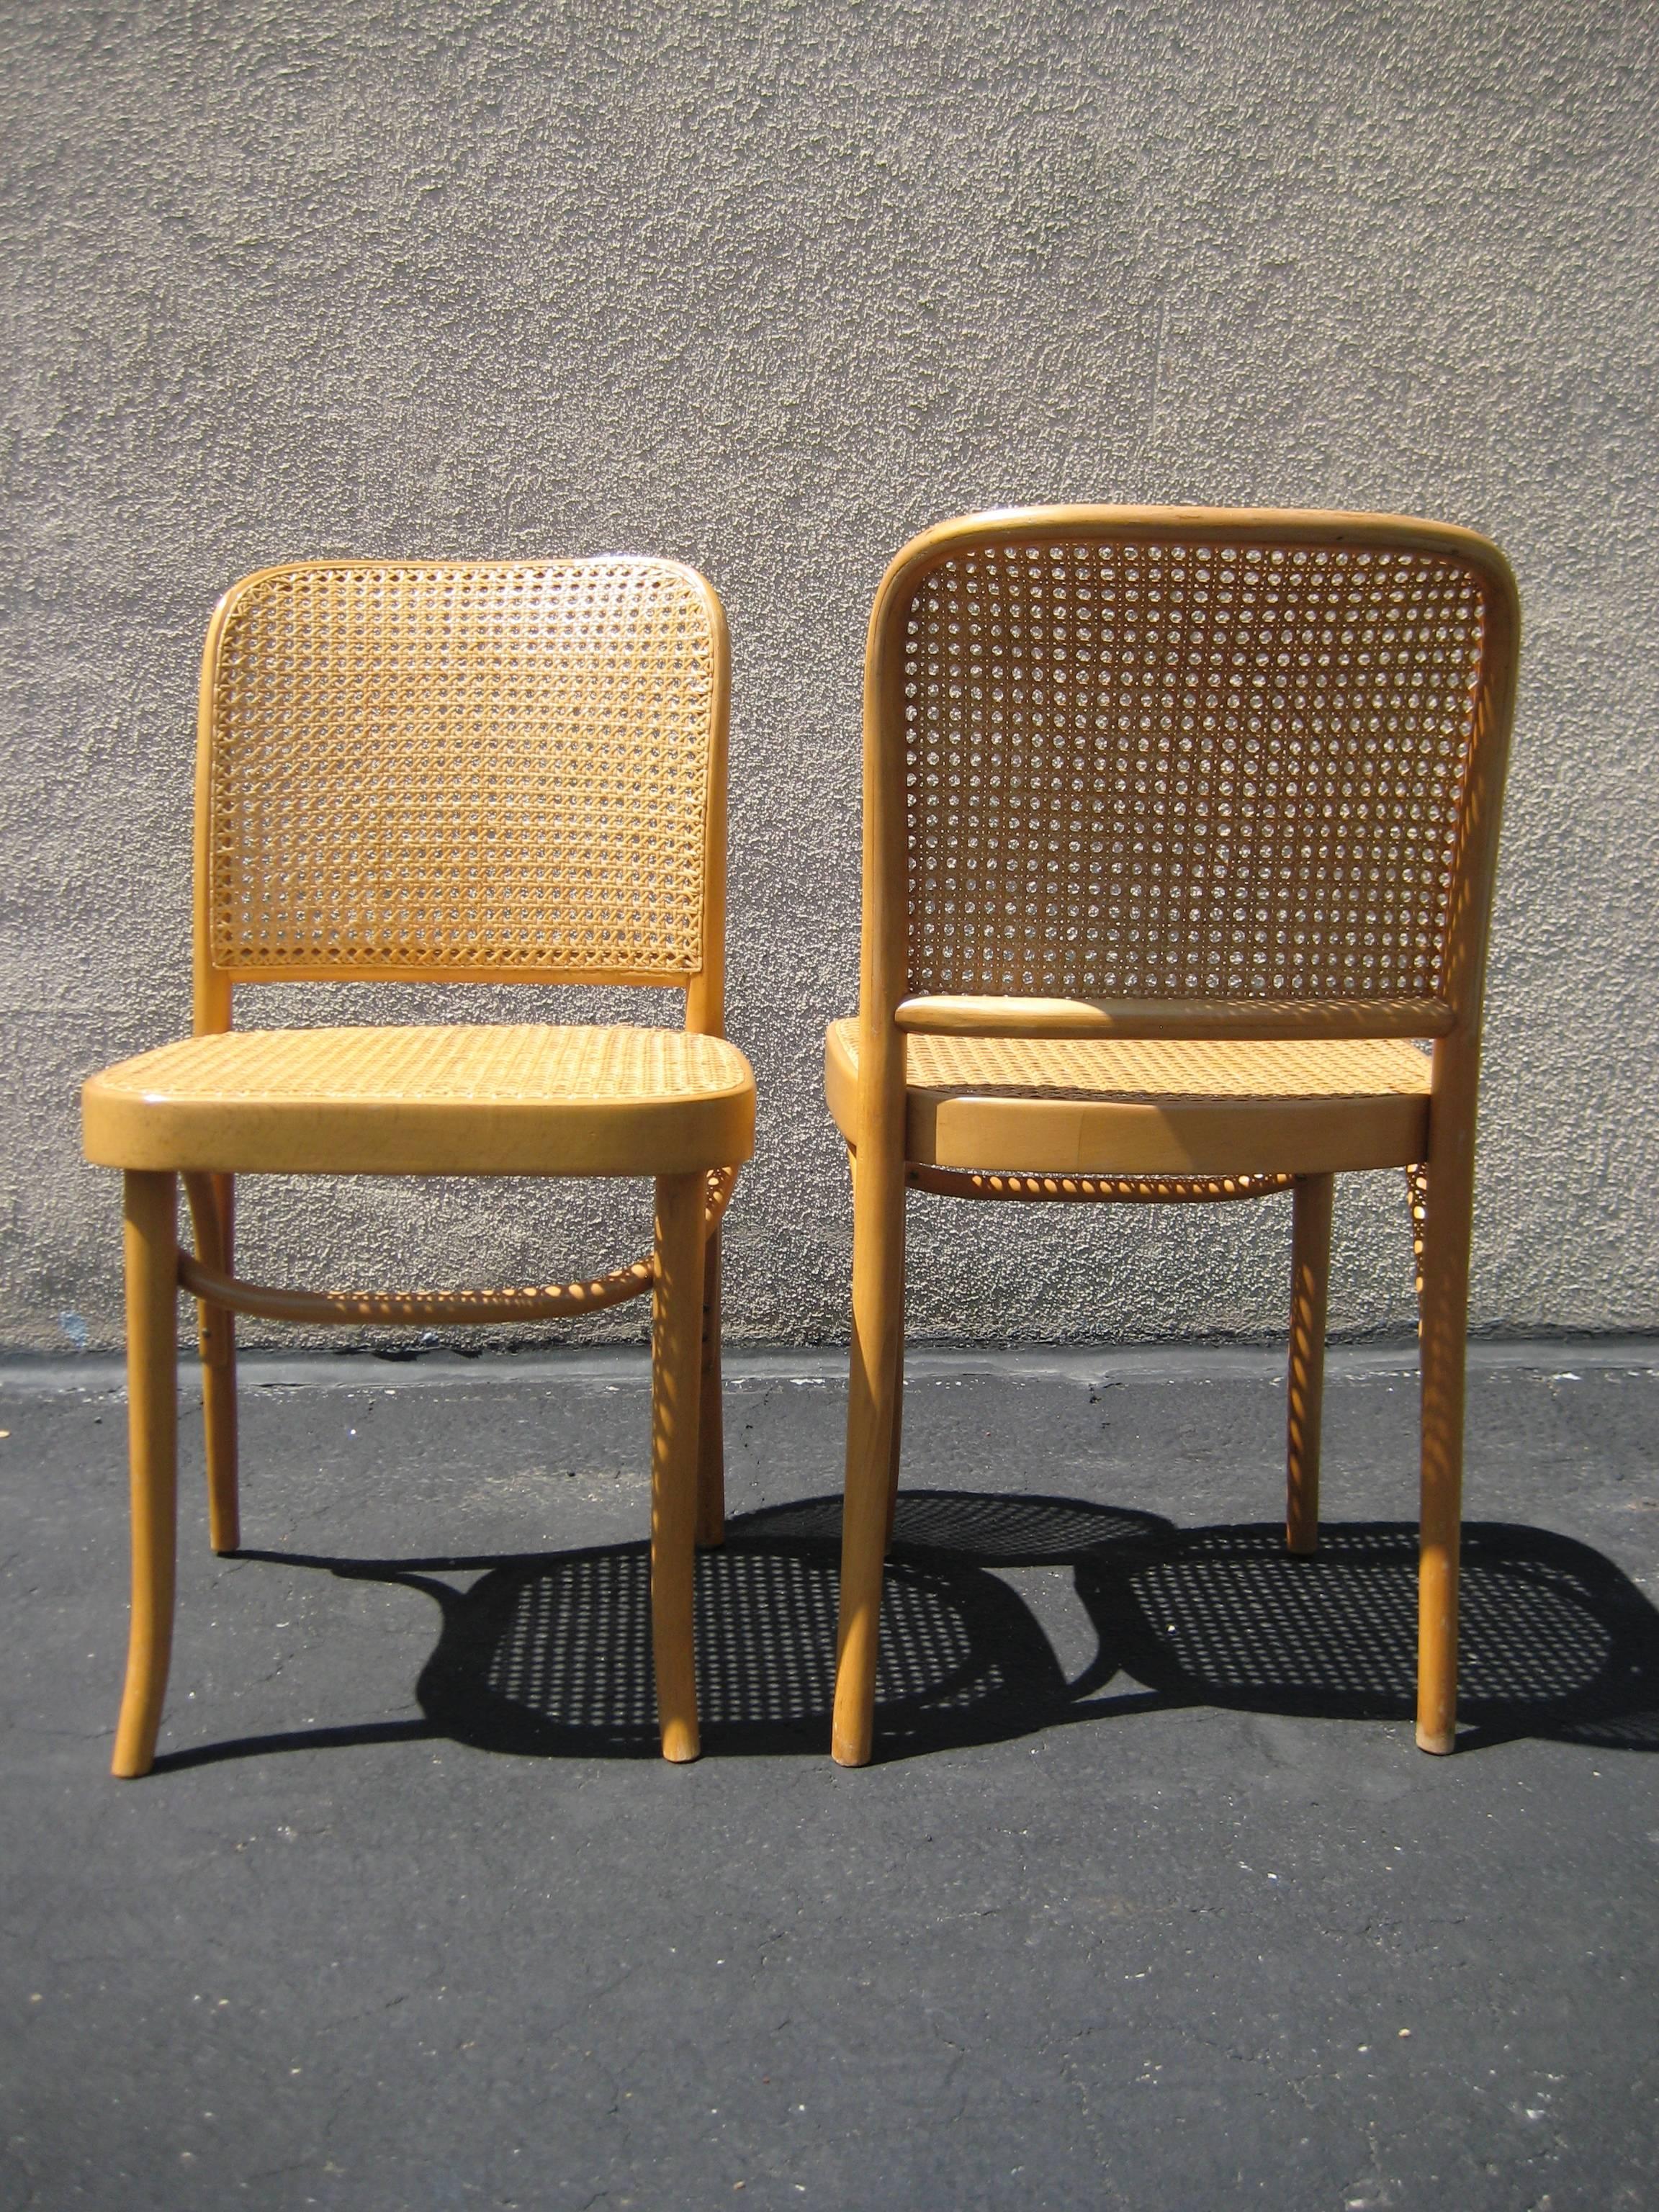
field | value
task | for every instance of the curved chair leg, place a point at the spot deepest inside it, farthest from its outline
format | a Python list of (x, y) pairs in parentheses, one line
[(875, 1383), (1444, 1326), (1311, 1275), (152, 1273), (212, 1203), (676, 1379), (711, 1430)]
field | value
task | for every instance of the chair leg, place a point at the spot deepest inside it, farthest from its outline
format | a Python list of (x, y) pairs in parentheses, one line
[(898, 1406), (898, 1432), (1311, 1275), (876, 1381), (711, 1430), (676, 1378), (152, 1274), (212, 1203), (1444, 1326)]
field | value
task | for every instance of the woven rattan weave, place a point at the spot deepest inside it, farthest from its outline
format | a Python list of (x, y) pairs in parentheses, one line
[(1134, 1069), (1168, 770), (502, 1099), (490, 770), (451, 1065), (455, 773), (1179, 825)]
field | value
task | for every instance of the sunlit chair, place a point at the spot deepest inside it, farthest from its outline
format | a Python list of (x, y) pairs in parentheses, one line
[(1179, 833), (443, 773)]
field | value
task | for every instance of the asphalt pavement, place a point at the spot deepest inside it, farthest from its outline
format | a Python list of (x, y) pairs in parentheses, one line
[(1149, 1901)]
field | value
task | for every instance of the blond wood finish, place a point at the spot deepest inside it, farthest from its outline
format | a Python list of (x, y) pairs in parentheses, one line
[(413, 1308), (1243, 1019), (1310, 1274), (449, 772), (1094, 1190), (895, 1441), (1448, 1188), (876, 1375), (212, 1213), (897, 1380), (448, 1100), (150, 1231), (1219, 783), (705, 1013), (1164, 1107), (875, 1390), (676, 1390), (1442, 1334), (711, 1431)]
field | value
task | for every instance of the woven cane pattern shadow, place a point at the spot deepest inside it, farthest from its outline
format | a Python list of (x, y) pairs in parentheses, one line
[(1554, 1640), (550, 1655), (553, 1655), (994, 1529)]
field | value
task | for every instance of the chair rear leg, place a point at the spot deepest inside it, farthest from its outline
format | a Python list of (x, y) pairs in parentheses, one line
[(876, 1382), (152, 1285), (711, 1428), (676, 1387), (1443, 1300), (212, 1203), (898, 1405), (1311, 1275)]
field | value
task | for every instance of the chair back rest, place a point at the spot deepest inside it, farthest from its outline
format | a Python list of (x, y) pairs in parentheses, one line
[(1251, 758), (446, 771)]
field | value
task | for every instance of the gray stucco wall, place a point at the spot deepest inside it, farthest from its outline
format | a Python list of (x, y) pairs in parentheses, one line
[(768, 288)]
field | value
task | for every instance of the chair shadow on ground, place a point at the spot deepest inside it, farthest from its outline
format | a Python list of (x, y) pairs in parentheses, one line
[(550, 1654)]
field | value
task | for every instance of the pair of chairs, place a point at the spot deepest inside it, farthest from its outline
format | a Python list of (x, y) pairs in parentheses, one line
[(1180, 827)]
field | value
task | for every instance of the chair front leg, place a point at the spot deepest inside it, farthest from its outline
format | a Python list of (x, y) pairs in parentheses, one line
[(676, 1389), (898, 1397), (212, 1208), (711, 1429), (875, 1385), (1311, 1275), (893, 1448), (151, 1239), (1444, 1304)]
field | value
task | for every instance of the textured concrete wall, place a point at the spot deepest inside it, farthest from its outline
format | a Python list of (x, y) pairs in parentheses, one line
[(768, 288)]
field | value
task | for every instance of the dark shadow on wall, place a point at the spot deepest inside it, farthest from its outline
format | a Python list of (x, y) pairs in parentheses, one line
[(550, 1654)]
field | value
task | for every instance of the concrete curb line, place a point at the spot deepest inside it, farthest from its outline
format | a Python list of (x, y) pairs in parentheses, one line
[(756, 1367)]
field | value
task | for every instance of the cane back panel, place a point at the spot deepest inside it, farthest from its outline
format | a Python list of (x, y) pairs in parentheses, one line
[(459, 769), (1156, 769)]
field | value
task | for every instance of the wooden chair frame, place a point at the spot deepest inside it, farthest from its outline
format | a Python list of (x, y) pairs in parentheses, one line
[(682, 1274), (1442, 1184)]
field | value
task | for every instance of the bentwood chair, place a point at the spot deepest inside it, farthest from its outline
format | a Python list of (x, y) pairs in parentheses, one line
[(443, 773), (1179, 834)]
